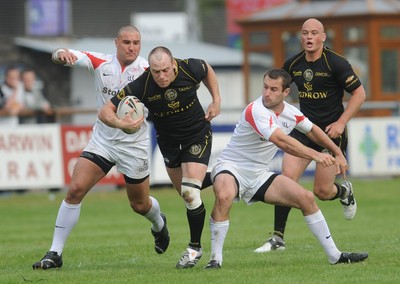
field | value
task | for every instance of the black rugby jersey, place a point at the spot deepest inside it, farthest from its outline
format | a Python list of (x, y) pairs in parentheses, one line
[(175, 111), (322, 84)]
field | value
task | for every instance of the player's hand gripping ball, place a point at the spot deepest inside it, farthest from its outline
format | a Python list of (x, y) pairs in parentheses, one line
[(126, 105)]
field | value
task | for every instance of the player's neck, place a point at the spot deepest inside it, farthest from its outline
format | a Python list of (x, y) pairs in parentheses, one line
[(313, 56)]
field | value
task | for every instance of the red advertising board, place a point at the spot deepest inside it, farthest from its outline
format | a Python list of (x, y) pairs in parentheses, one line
[(73, 140)]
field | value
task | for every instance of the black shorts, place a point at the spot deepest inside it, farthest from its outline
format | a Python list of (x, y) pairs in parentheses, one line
[(198, 151), (341, 141)]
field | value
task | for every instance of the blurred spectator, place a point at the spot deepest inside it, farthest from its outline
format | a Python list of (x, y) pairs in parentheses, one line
[(11, 96), (37, 108)]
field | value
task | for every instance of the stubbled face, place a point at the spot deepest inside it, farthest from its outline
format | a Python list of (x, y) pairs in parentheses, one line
[(163, 69), (128, 45), (312, 36), (273, 95)]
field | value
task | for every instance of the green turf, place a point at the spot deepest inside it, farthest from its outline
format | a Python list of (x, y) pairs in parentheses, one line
[(112, 245)]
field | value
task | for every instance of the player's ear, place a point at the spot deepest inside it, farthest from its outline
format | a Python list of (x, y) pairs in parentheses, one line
[(286, 92)]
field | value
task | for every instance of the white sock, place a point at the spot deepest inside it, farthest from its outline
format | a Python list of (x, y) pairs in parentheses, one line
[(318, 226), (68, 216), (154, 215), (218, 234)]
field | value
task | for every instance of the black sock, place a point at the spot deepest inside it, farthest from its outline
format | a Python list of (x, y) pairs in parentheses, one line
[(281, 216), (196, 219), (340, 193)]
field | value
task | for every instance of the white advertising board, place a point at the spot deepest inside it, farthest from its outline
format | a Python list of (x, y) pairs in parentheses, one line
[(30, 157), (374, 147)]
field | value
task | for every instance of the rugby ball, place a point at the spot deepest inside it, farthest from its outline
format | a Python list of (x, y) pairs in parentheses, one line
[(126, 105)]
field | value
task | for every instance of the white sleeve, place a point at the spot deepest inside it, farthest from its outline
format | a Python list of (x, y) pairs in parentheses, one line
[(261, 119)]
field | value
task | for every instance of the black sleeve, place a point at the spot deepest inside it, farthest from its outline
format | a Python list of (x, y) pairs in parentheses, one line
[(115, 100), (198, 67), (126, 91), (345, 75)]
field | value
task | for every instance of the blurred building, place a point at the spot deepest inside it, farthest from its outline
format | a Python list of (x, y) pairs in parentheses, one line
[(366, 32), (70, 21)]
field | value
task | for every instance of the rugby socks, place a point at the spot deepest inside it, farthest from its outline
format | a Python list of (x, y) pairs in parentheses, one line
[(318, 226), (68, 216), (341, 192), (218, 232), (281, 216), (154, 215), (196, 219)]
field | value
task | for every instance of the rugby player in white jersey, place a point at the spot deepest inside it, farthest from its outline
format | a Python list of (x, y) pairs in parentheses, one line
[(130, 153), (242, 170)]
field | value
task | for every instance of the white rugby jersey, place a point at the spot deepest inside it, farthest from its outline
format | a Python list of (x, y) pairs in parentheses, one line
[(249, 146), (109, 79)]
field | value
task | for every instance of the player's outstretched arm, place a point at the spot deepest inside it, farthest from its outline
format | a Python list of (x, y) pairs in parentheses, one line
[(63, 56), (295, 148)]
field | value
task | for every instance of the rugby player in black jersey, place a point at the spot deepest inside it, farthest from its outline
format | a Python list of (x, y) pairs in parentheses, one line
[(322, 77), (169, 91)]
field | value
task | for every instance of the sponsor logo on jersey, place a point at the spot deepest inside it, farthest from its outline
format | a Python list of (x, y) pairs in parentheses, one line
[(176, 108), (297, 73), (154, 98), (321, 74), (308, 86), (313, 95), (174, 105), (109, 92)]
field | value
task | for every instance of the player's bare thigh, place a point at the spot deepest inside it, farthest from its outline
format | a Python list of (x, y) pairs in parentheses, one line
[(286, 192), (294, 167)]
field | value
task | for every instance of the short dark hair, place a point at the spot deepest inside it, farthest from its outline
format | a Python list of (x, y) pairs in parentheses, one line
[(160, 49), (277, 73)]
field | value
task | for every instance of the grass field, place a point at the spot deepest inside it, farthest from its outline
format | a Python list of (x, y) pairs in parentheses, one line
[(110, 244)]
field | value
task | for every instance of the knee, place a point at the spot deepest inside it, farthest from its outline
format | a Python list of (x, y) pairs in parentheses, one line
[(223, 197), (140, 207), (75, 193), (323, 192), (190, 192), (308, 205)]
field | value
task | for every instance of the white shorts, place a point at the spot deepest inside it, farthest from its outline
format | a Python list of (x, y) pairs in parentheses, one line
[(131, 158), (249, 181)]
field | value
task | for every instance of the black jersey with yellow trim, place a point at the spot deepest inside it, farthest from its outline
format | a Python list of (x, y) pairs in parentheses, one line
[(176, 111), (321, 85)]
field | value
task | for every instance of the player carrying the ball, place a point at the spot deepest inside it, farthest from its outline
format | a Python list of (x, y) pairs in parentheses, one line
[(169, 91)]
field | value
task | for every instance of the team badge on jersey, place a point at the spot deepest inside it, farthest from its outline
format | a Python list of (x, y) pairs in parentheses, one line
[(170, 95), (308, 75)]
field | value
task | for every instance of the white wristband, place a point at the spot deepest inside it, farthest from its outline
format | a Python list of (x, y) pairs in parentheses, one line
[(55, 54)]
